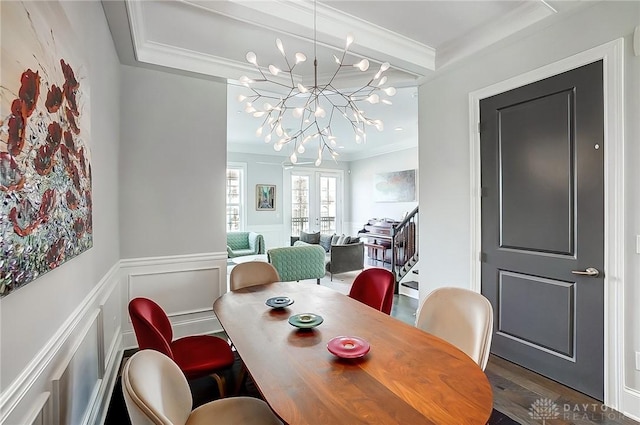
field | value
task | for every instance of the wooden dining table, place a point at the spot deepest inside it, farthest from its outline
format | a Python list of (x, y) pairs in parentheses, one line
[(408, 377)]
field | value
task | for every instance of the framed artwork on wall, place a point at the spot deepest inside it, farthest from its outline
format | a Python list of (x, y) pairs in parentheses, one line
[(397, 186), (265, 197), (45, 162)]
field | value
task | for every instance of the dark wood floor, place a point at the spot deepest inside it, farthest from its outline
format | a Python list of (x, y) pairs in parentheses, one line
[(516, 389)]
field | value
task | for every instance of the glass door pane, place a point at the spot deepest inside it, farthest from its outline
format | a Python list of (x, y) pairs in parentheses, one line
[(299, 204), (328, 204)]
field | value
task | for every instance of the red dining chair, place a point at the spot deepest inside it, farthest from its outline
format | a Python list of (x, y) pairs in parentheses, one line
[(374, 287), (197, 356)]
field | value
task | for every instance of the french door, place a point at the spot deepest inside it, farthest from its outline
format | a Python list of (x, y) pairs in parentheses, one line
[(315, 201)]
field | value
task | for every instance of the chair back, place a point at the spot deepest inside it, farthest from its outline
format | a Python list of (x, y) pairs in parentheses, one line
[(151, 326), (374, 287), (155, 390), (252, 273), (461, 317)]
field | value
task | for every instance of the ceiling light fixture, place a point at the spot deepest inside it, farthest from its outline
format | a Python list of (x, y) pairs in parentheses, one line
[(312, 107)]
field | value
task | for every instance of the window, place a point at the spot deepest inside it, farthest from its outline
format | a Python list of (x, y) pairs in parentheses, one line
[(236, 198)]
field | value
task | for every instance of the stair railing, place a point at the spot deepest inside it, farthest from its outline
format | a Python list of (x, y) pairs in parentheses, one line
[(404, 246)]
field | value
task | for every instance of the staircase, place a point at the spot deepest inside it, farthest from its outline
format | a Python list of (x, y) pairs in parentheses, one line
[(405, 245)]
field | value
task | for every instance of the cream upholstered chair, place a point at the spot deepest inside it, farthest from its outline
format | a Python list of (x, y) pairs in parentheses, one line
[(461, 317), (156, 393), (252, 273)]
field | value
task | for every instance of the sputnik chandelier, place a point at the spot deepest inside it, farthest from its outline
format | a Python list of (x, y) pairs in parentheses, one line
[(312, 108)]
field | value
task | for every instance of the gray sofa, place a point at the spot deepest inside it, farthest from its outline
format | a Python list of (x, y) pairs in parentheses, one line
[(340, 257)]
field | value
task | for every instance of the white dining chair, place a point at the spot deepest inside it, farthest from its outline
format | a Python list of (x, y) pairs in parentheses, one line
[(156, 392), (252, 273), (461, 317)]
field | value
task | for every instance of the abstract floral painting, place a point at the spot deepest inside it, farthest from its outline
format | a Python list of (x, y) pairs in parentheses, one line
[(45, 167), (397, 186)]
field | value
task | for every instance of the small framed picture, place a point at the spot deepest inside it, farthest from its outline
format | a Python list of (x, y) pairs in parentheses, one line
[(265, 197)]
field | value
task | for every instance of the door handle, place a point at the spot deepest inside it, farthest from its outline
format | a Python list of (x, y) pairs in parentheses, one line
[(590, 271)]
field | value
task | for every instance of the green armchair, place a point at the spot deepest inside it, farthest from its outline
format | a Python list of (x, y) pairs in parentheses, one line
[(244, 243), (295, 263)]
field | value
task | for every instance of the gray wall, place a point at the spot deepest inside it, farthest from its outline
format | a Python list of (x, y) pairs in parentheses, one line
[(31, 315), (444, 144), (172, 164)]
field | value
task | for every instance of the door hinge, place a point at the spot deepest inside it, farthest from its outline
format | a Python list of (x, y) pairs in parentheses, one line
[(479, 127), (482, 257), (483, 192)]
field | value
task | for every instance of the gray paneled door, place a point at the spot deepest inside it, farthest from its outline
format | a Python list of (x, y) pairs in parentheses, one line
[(543, 225)]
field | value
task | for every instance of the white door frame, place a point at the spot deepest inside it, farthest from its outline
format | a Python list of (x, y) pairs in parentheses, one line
[(612, 55)]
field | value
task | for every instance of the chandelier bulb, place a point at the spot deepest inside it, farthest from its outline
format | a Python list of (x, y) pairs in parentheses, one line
[(379, 125), (280, 47), (358, 141), (320, 113), (242, 98), (302, 88), (384, 66), (387, 102), (363, 65), (382, 81), (279, 131), (335, 58), (252, 58), (349, 40), (297, 112), (267, 139), (293, 158), (390, 91), (259, 132), (300, 57), (258, 114), (301, 149), (318, 162), (274, 70), (277, 147), (373, 99)]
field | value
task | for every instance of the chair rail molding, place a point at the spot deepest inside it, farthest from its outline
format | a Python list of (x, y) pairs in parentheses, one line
[(616, 394)]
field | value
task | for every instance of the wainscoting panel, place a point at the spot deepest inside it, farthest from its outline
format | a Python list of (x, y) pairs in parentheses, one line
[(40, 413), (185, 286), (63, 383), (75, 384)]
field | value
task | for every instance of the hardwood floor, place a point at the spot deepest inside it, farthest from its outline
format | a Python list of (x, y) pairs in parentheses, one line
[(516, 389)]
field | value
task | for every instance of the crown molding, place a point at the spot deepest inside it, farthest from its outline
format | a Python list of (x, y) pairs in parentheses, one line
[(374, 42), (526, 14)]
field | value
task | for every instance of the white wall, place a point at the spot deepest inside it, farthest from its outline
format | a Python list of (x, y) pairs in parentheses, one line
[(42, 322), (445, 155), (363, 206)]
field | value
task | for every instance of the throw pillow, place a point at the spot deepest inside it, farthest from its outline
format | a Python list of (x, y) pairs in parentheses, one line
[(341, 240), (354, 239), (334, 239), (325, 242), (310, 237)]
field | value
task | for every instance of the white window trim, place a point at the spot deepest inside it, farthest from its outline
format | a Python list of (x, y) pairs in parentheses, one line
[(243, 192)]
